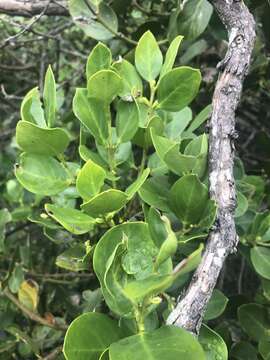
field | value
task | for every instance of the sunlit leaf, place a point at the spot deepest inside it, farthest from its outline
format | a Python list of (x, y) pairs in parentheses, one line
[(148, 57), (42, 174), (72, 220)]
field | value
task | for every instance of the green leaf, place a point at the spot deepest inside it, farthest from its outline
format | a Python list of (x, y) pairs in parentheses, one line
[(212, 344), (87, 154), (67, 198), (198, 148), (156, 166), (190, 263), (242, 205), (144, 114), (169, 246), (95, 3), (171, 55), (139, 262), (30, 345), (155, 192), (89, 335), (90, 180), (5, 218), (42, 174), (193, 160), (264, 349), (148, 57), (31, 108), (100, 58), (260, 258), (49, 97), (21, 213), (104, 203), (216, 305), (189, 200), (134, 187), (178, 88), (16, 278), (58, 236), (127, 120), (168, 343), (243, 350), (180, 121), (155, 124), (266, 288), (92, 299), (156, 227), (143, 136), (75, 258), (193, 234), (149, 287), (168, 152), (123, 153), (257, 190), (93, 114), (14, 191), (104, 355), (254, 320), (128, 252), (200, 119), (196, 49), (111, 276), (259, 228), (72, 220), (132, 83), (193, 18), (104, 85), (37, 140), (90, 23), (43, 221)]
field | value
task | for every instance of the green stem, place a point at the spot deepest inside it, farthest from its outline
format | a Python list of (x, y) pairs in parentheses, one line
[(140, 321), (111, 160), (143, 161), (111, 151), (153, 89), (30, 314)]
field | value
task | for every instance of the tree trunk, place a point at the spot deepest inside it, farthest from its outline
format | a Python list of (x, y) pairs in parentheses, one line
[(222, 239)]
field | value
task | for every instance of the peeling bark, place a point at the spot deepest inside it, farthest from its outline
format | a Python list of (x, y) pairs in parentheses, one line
[(222, 239), (29, 8)]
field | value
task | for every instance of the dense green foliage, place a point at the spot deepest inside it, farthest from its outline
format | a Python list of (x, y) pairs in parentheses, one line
[(106, 213)]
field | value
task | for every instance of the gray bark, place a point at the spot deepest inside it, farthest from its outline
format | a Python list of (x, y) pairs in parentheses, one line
[(29, 8), (222, 239)]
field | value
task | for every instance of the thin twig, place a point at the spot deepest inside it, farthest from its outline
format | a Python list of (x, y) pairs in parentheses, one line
[(30, 314), (61, 275), (107, 26), (52, 355), (9, 96), (29, 8), (11, 39), (17, 68)]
